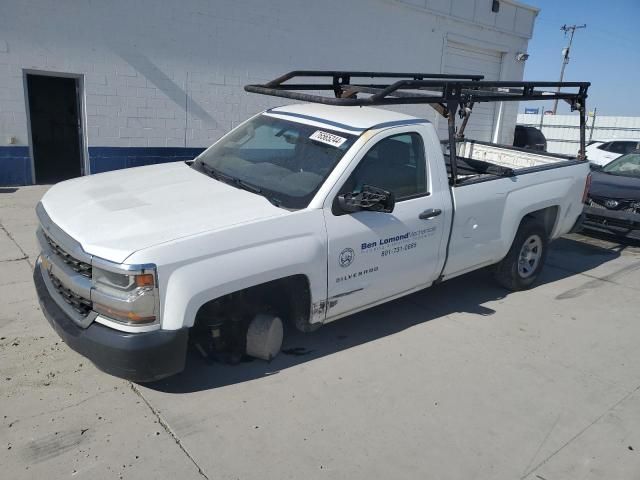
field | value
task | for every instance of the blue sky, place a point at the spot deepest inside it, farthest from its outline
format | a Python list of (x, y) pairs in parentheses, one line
[(606, 53)]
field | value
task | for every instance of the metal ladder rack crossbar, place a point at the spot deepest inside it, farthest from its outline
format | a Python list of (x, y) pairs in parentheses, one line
[(446, 93)]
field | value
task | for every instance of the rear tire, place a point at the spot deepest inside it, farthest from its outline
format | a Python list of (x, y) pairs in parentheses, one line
[(521, 267)]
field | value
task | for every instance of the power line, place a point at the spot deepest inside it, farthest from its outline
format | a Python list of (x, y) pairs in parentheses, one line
[(565, 54)]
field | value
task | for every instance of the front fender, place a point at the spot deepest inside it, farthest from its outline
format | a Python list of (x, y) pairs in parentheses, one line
[(238, 270), (198, 269)]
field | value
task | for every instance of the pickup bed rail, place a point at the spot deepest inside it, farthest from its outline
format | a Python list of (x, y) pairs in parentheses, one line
[(479, 161)]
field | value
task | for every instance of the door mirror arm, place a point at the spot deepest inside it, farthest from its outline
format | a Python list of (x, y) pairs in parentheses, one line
[(369, 198)]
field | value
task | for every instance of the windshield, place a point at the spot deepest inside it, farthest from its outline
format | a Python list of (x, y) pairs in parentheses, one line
[(627, 165), (284, 161)]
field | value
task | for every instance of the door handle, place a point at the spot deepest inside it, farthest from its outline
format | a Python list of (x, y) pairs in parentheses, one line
[(429, 213)]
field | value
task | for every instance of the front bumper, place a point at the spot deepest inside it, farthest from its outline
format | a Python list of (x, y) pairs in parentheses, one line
[(139, 357), (612, 221)]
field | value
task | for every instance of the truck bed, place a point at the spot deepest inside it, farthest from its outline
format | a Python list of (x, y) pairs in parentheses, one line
[(479, 161)]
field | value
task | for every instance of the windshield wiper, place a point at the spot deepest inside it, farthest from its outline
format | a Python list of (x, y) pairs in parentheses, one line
[(238, 183), (252, 188), (246, 186), (274, 201), (212, 172), (228, 179)]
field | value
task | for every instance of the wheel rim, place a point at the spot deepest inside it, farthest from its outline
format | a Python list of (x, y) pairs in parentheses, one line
[(530, 255)]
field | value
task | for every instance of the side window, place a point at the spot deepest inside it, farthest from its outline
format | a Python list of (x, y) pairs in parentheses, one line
[(604, 146), (617, 147), (622, 147), (396, 164)]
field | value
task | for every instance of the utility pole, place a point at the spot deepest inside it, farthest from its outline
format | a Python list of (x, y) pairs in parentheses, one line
[(565, 54), (593, 122)]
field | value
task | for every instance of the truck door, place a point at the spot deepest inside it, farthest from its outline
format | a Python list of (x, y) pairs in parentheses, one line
[(374, 255)]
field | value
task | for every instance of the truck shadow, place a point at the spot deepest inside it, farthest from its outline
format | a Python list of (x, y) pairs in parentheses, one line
[(466, 294)]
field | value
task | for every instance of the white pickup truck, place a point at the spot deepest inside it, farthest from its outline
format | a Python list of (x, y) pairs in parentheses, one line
[(305, 214)]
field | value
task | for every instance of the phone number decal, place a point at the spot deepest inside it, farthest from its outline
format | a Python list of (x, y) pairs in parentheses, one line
[(403, 248)]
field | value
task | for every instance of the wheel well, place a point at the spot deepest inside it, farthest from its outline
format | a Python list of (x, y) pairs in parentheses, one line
[(288, 297), (546, 216)]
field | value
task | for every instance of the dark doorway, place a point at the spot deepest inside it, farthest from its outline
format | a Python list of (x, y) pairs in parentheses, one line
[(54, 110)]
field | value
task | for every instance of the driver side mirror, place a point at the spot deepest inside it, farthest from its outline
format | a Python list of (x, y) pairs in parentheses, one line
[(370, 198), (594, 167)]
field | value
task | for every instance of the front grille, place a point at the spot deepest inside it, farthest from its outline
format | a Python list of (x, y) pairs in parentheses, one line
[(78, 303), (82, 268), (597, 205), (629, 206)]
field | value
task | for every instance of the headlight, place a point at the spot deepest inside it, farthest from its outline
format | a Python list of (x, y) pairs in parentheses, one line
[(129, 298)]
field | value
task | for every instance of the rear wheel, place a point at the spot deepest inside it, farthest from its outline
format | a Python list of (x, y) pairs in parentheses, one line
[(521, 267)]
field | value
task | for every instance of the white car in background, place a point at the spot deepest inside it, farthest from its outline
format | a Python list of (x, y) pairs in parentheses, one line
[(602, 152)]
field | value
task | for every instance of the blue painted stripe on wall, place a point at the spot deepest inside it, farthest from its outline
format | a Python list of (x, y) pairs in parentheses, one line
[(15, 162), (104, 159), (15, 165)]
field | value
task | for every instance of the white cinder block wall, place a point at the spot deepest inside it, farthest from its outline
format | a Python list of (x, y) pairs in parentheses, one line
[(167, 73)]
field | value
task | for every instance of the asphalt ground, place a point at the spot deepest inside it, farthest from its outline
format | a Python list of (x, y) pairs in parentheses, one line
[(462, 380)]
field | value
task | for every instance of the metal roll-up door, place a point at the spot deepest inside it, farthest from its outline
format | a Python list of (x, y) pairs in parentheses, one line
[(465, 59)]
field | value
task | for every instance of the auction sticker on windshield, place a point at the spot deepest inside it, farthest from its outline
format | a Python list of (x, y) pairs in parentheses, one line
[(328, 138)]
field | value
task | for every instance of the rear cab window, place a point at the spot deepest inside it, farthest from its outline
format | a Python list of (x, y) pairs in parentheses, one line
[(628, 147), (620, 146)]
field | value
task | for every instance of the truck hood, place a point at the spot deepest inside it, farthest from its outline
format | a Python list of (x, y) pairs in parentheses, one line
[(614, 186), (114, 214)]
